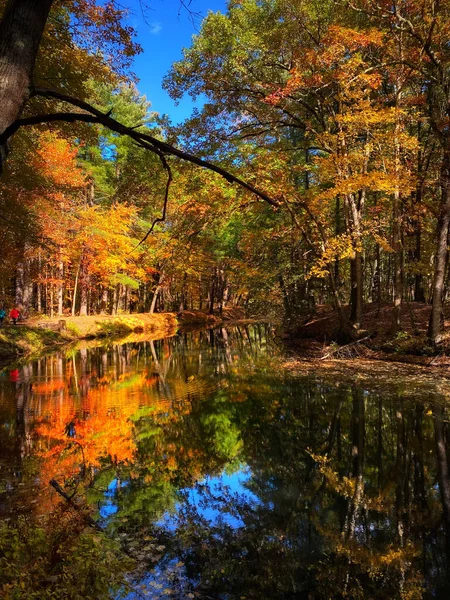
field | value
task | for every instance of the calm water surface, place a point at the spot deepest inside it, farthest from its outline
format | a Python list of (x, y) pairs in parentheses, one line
[(225, 477)]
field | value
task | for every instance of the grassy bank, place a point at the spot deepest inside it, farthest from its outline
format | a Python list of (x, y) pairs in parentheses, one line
[(24, 341), (37, 335)]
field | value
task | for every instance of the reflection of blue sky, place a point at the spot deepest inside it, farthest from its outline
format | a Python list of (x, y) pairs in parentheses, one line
[(225, 484), (217, 489), (222, 487), (109, 506)]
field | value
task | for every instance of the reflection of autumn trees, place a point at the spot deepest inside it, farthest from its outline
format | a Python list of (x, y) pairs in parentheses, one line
[(98, 391), (101, 418), (347, 484), (348, 504)]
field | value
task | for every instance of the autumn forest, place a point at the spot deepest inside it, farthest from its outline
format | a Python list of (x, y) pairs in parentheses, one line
[(316, 171), (203, 319)]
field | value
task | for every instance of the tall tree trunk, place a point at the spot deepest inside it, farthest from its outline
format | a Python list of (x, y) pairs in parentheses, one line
[(354, 207), (419, 293), (213, 292), (154, 299), (396, 216), (75, 290), (104, 301), (60, 287), (39, 286), (84, 281), (21, 30), (398, 260), (20, 284), (435, 324), (24, 286)]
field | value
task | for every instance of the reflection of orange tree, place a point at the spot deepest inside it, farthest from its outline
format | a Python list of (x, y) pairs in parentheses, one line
[(100, 430), (79, 436)]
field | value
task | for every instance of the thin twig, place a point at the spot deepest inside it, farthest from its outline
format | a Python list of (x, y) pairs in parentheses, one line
[(162, 218)]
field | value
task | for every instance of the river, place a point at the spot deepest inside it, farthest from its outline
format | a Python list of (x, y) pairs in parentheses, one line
[(211, 471)]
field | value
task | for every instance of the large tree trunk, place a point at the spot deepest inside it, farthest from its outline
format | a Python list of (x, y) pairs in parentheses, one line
[(398, 260), (435, 325), (21, 30)]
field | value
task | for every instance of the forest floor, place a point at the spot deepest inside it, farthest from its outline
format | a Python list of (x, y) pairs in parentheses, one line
[(379, 340), (38, 334)]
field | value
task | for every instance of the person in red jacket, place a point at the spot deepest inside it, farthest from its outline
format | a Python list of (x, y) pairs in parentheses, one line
[(14, 315)]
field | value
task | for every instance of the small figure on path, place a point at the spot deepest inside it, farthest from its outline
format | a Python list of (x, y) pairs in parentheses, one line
[(2, 315), (14, 315)]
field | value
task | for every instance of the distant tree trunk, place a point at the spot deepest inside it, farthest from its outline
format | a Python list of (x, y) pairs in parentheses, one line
[(125, 295), (60, 292), (285, 296), (419, 292), (52, 300), (20, 284), (436, 317), (212, 293), (183, 295), (115, 300), (221, 289), (376, 280), (354, 207), (104, 301), (75, 290), (24, 286), (337, 231), (39, 297), (21, 30), (39, 286), (84, 288)]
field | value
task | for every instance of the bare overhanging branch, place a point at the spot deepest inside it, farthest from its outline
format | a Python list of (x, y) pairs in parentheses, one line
[(162, 218), (93, 115)]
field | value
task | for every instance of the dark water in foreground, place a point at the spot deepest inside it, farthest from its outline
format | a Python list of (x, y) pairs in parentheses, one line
[(216, 474)]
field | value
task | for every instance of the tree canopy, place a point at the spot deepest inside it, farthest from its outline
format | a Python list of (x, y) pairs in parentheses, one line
[(334, 114)]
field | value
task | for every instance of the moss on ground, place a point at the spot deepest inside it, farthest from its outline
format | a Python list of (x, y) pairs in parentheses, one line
[(23, 341)]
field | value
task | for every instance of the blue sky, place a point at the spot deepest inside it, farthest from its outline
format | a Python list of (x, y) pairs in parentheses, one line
[(164, 30)]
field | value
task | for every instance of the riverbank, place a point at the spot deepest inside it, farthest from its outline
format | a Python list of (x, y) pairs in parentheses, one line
[(379, 339), (39, 334)]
